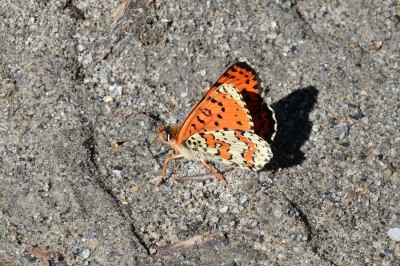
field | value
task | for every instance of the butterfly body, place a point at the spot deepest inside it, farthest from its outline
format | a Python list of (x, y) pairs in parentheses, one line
[(220, 128)]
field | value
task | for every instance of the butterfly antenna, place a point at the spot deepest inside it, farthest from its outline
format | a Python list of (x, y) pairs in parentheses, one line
[(155, 117)]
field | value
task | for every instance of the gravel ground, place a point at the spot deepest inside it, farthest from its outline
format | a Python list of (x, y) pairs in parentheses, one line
[(78, 76)]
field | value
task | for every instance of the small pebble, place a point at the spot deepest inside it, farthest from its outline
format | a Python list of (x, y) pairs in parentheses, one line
[(153, 251), (223, 209), (215, 219), (277, 213), (352, 195), (107, 99), (286, 48), (174, 102), (187, 195), (394, 234), (116, 171), (85, 253), (227, 47), (116, 90), (243, 199), (272, 36), (81, 48)]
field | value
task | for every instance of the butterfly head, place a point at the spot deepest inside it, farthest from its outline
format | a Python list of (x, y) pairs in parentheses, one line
[(164, 134), (168, 135)]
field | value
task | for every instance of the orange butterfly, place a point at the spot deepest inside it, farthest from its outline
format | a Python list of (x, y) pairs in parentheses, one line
[(231, 124)]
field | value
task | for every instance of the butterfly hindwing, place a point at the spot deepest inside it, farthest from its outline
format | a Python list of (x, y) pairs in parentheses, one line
[(244, 149)]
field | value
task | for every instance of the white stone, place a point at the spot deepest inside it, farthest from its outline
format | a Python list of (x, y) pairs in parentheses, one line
[(223, 209), (394, 234), (215, 219), (86, 253), (107, 99)]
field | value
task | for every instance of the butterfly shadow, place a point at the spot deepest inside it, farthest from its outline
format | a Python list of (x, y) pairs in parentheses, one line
[(294, 127)]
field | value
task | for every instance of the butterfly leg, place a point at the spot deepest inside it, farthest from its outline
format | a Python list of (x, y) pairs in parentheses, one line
[(220, 177), (160, 179)]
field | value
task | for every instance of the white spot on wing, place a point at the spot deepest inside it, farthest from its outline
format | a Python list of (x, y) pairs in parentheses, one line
[(232, 91)]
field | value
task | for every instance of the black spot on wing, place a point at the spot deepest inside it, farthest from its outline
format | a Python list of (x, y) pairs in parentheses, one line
[(228, 75), (206, 112), (200, 120)]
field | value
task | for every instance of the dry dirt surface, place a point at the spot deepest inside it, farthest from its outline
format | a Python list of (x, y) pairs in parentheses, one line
[(77, 77)]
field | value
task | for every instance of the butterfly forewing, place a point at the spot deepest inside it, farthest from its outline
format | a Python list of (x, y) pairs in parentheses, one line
[(224, 108), (242, 76), (246, 80)]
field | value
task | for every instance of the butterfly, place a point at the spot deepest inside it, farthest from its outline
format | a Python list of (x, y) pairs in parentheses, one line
[(231, 124)]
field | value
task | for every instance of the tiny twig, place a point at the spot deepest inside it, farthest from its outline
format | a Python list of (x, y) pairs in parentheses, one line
[(194, 178), (42, 255), (199, 241)]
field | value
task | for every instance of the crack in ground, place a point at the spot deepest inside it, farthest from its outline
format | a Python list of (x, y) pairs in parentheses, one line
[(122, 209), (304, 219), (90, 146), (310, 234), (140, 239)]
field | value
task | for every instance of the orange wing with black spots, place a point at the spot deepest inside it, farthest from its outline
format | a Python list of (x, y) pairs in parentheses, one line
[(248, 83), (222, 109)]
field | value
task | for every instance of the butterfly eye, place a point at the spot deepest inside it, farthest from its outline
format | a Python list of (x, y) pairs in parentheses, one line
[(165, 136)]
